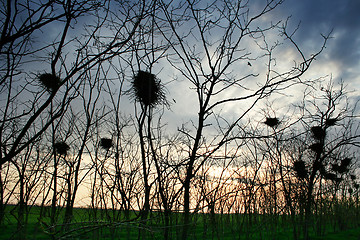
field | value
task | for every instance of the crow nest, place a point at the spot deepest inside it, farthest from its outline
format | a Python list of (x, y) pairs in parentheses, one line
[(318, 132), (331, 176), (331, 122), (147, 89), (61, 148), (272, 122), (300, 169), (343, 167), (106, 143), (50, 81), (317, 147)]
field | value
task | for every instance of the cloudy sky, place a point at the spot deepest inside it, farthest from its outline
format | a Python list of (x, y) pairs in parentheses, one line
[(322, 16), (341, 58)]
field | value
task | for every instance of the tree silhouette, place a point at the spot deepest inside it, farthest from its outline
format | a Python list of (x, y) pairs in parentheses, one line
[(60, 94), (210, 68), (22, 22), (325, 152), (149, 92)]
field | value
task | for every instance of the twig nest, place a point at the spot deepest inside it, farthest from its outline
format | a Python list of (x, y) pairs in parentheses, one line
[(331, 122), (61, 148), (318, 132), (147, 89), (272, 122), (335, 167), (300, 169), (338, 179), (343, 167), (345, 162), (50, 81), (316, 147), (106, 143), (330, 176)]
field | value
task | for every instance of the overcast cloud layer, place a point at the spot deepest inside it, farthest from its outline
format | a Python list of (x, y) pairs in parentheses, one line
[(340, 17), (341, 58), (339, 61)]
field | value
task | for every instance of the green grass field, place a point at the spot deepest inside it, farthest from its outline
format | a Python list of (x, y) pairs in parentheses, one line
[(226, 226)]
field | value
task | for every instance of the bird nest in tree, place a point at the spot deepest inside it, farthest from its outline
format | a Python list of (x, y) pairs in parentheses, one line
[(318, 132), (300, 169), (318, 166), (147, 89), (343, 167), (272, 122), (61, 148), (330, 176), (317, 147), (50, 81), (331, 121), (346, 162), (106, 143)]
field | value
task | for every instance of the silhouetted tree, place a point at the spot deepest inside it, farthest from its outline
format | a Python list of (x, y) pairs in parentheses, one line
[(23, 21), (34, 96), (330, 134), (209, 67), (149, 92)]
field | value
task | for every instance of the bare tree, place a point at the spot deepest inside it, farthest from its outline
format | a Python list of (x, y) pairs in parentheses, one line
[(27, 185), (332, 133), (227, 56), (43, 71), (311, 154), (222, 32), (63, 76)]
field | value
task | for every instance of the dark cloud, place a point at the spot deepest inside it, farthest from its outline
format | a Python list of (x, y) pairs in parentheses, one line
[(322, 16), (341, 58)]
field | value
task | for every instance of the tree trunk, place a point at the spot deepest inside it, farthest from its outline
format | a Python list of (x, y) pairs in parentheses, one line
[(189, 174), (2, 205), (186, 204), (69, 207), (21, 211), (146, 207), (53, 201)]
